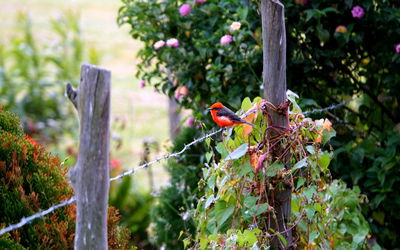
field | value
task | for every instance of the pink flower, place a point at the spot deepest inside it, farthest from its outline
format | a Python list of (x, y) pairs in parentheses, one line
[(114, 163), (184, 9), (190, 121), (398, 48), (226, 39), (181, 92), (357, 12), (159, 44), (201, 1), (172, 42), (142, 83)]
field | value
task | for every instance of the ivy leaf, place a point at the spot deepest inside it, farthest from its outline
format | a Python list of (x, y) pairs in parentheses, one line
[(221, 149), (300, 182), (239, 152), (250, 237), (250, 201), (208, 156), (246, 104), (327, 135), (309, 192), (300, 164), (272, 170), (222, 212), (209, 201), (313, 235), (280, 236), (324, 161)]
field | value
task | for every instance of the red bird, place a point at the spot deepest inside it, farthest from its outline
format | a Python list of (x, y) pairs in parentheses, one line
[(225, 117)]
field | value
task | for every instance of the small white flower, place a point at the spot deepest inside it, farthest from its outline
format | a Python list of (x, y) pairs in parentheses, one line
[(235, 26)]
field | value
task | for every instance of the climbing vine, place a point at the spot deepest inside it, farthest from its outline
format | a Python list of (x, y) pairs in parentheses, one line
[(246, 169)]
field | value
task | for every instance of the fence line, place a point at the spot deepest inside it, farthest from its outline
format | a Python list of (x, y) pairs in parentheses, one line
[(167, 156), (27, 220)]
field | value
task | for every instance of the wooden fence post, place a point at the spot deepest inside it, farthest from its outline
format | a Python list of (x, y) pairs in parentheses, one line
[(274, 80), (90, 176)]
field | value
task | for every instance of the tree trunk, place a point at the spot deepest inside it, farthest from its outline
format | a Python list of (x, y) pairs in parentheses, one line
[(274, 80), (90, 176)]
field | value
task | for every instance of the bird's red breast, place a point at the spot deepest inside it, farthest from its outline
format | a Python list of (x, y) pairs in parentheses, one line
[(225, 117)]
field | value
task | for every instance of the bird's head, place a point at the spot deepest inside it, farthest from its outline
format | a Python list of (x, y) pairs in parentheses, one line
[(216, 106)]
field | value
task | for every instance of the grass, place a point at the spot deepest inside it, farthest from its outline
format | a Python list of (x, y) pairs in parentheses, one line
[(142, 111)]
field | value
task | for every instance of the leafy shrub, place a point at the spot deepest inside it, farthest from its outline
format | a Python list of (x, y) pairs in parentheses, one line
[(134, 208), (333, 55), (32, 179), (33, 74), (239, 206), (172, 215)]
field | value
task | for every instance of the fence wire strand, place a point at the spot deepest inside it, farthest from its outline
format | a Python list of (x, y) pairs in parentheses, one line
[(334, 106), (27, 220), (167, 156)]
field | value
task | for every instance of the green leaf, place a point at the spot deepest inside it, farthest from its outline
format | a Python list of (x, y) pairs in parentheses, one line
[(324, 161), (300, 182), (222, 212), (245, 169), (243, 12), (203, 242), (313, 235), (246, 104), (309, 192), (310, 211), (208, 156), (327, 135), (209, 201), (250, 201), (300, 164), (272, 170), (238, 152), (221, 149), (250, 237), (310, 149)]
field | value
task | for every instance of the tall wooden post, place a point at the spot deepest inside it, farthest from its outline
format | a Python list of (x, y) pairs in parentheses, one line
[(274, 80), (90, 176)]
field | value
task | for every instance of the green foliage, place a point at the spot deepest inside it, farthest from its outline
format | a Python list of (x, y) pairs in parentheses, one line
[(200, 63), (172, 216), (33, 74), (31, 180), (9, 122), (134, 208), (238, 206), (325, 65)]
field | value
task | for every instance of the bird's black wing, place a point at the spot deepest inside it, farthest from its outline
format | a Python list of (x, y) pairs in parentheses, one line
[(229, 113)]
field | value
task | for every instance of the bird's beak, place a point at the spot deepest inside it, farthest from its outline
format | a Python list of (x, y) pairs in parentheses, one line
[(209, 109)]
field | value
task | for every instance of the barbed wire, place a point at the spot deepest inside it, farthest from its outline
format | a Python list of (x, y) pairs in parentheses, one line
[(27, 220), (167, 156), (334, 106)]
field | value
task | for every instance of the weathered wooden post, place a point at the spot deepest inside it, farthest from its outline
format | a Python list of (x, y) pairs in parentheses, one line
[(274, 80), (90, 176)]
